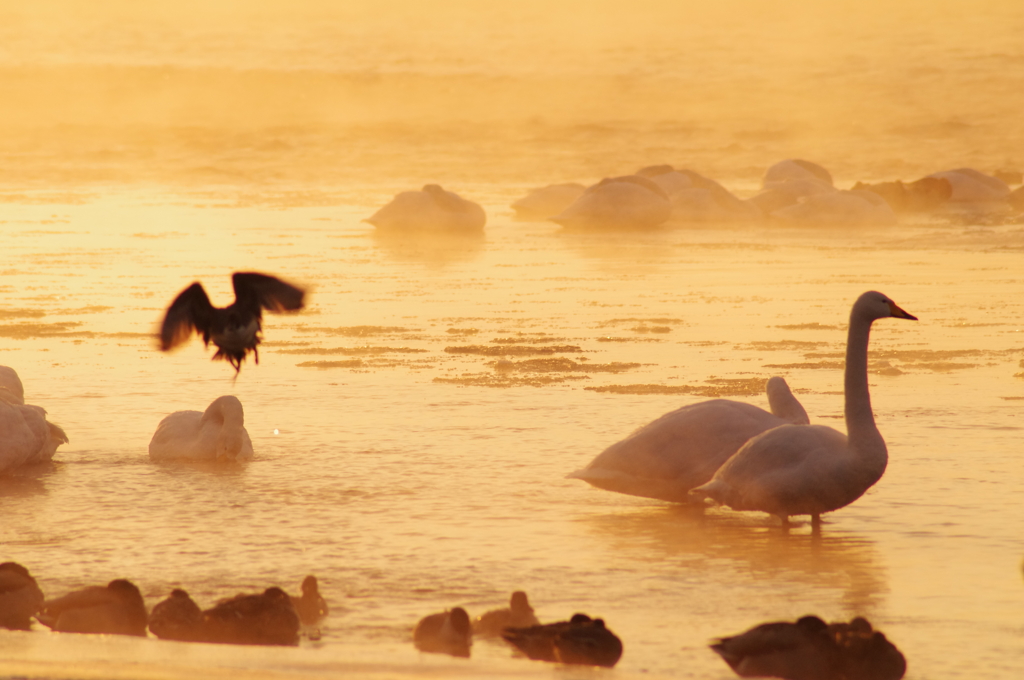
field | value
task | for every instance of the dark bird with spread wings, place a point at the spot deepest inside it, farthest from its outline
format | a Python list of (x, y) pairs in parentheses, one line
[(235, 329)]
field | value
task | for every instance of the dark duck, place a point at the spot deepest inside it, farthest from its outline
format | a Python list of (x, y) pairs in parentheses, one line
[(234, 329)]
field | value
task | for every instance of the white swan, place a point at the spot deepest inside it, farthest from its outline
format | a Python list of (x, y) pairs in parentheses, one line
[(812, 469), (796, 169), (683, 448), (26, 437), (971, 186), (431, 209), (838, 208), (218, 434), (546, 201), (629, 202)]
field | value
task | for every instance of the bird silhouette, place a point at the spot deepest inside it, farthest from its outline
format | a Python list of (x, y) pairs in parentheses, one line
[(234, 329)]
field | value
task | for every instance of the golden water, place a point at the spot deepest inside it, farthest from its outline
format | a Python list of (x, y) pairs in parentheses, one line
[(396, 458)]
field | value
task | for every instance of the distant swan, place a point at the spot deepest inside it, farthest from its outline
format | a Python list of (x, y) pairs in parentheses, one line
[(218, 434), (431, 209), (972, 186), (796, 169), (546, 201), (448, 632), (26, 437), (518, 614), (838, 208), (683, 448), (629, 202), (812, 469)]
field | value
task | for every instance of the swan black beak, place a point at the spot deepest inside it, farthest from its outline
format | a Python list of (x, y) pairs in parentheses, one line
[(895, 310)]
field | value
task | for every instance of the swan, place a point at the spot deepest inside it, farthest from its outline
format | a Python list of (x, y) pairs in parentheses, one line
[(447, 632), (866, 653), (310, 606), (176, 618), (972, 186), (683, 448), (629, 202), (812, 469), (431, 209), (518, 614), (235, 329), (580, 640), (266, 618), (546, 201), (781, 194), (26, 436), (924, 194), (796, 169), (797, 651), (117, 608), (218, 434), (20, 597), (844, 208)]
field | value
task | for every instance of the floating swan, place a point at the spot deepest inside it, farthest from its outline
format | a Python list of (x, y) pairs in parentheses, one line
[(784, 193), (448, 632), (116, 608), (266, 618), (971, 186), (696, 198), (518, 614), (796, 169), (431, 209), (812, 469), (311, 606), (580, 640), (838, 208), (683, 448), (20, 597), (629, 202), (26, 437), (797, 651), (234, 329), (926, 193), (218, 434), (176, 618), (546, 201)]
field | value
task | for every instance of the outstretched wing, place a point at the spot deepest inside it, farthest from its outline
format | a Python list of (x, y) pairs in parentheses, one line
[(191, 310), (268, 292)]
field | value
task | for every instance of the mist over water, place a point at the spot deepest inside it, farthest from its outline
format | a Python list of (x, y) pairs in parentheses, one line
[(413, 427)]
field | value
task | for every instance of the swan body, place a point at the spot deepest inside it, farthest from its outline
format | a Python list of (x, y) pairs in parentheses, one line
[(580, 640), (683, 448), (971, 186), (546, 201), (842, 208), (20, 597), (629, 202), (797, 169), (310, 606), (266, 618), (218, 434), (813, 469), (430, 209), (519, 614), (796, 651), (117, 608), (176, 618), (26, 436), (924, 194), (448, 632)]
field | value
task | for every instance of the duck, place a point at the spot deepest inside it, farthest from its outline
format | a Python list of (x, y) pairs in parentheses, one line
[(580, 641), (448, 632), (236, 330), (20, 597), (177, 617), (803, 650), (973, 186), (813, 469), (518, 614), (839, 208), (116, 609), (627, 202), (684, 448), (310, 606), (866, 653), (26, 436), (543, 202), (430, 209), (266, 618), (217, 434)]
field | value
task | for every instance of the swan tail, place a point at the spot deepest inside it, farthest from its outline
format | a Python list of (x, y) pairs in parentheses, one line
[(713, 491)]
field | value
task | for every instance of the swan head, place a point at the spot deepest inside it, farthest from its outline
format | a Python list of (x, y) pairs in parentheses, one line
[(229, 443), (874, 305)]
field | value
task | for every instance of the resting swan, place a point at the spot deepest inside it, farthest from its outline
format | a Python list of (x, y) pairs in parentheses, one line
[(812, 469), (683, 448), (431, 209), (26, 437), (628, 202), (216, 435)]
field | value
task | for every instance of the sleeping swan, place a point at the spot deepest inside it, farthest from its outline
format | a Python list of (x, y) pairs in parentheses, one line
[(628, 202), (431, 209), (26, 437), (812, 469), (683, 448), (216, 435)]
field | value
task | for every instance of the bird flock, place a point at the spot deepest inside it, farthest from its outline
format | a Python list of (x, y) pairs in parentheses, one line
[(719, 451)]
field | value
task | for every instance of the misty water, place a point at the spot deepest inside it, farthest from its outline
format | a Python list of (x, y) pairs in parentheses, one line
[(414, 425)]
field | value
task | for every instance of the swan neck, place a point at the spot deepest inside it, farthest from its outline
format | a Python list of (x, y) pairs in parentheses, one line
[(860, 420)]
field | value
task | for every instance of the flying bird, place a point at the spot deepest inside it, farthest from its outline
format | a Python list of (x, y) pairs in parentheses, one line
[(235, 329)]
